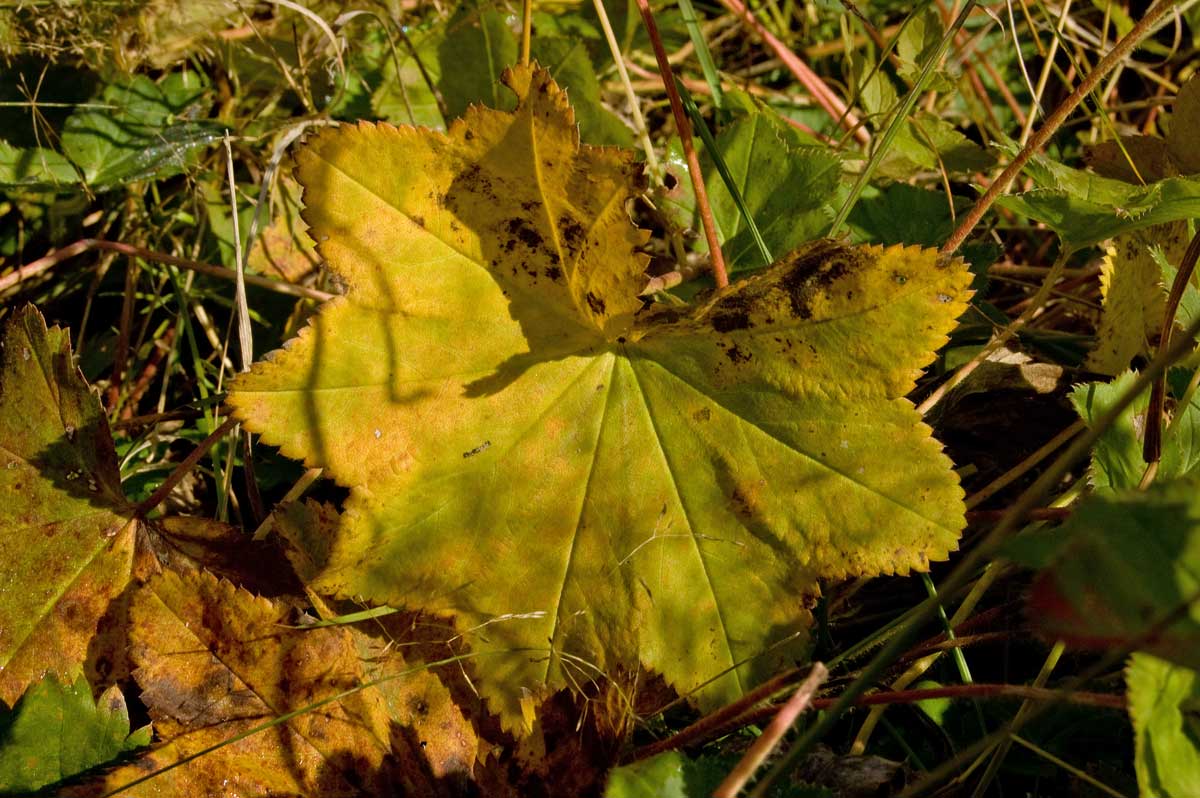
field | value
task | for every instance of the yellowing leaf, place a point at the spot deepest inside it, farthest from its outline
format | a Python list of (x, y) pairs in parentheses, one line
[(1134, 295), (67, 539), (582, 490)]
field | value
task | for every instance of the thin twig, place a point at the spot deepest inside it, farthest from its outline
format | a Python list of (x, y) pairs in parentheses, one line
[(1053, 122), (183, 468), (785, 718), (720, 276), (635, 108), (1152, 444), (52, 259)]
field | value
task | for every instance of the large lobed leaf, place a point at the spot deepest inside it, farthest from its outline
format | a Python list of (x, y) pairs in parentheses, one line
[(584, 486)]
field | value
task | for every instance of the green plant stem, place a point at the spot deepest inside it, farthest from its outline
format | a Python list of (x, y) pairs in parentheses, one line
[(1053, 122), (710, 145), (900, 117), (709, 67)]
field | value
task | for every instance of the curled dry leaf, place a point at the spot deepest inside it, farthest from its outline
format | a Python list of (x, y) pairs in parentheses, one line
[(585, 486)]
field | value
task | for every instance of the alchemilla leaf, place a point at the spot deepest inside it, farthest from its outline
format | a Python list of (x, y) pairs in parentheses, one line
[(583, 484)]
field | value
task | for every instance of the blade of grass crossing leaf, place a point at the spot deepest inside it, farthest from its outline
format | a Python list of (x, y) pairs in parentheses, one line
[(285, 717), (883, 57), (710, 144), (910, 100), (703, 54), (352, 617)]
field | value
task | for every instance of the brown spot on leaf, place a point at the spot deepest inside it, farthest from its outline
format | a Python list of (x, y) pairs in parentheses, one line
[(573, 232), (521, 230), (595, 303), (737, 355)]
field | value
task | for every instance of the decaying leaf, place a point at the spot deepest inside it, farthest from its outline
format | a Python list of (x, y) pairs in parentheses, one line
[(585, 486), (215, 662), (68, 533)]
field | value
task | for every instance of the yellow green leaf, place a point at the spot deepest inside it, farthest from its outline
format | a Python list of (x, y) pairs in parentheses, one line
[(1134, 295), (68, 532), (586, 486)]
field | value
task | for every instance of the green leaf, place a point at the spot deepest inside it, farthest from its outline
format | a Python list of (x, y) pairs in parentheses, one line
[(68, 531), (902, 214), (141, 136), (404, 96), (1085, 209), (918, 42), (490, 383), (1117, 456), (1128, 574), (787, 188), (1164, 703), (57, 731), (478, 44), (930, 142), (33, 168)]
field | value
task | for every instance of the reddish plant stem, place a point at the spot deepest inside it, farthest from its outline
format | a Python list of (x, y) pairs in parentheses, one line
[(822, 94), (703, 728), (34, 268), (156, 418), (149, 370), (784, 719), (684, 127), (1053, 122), (183, 468), (1152, 444), (687, 739), (52, 259)]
